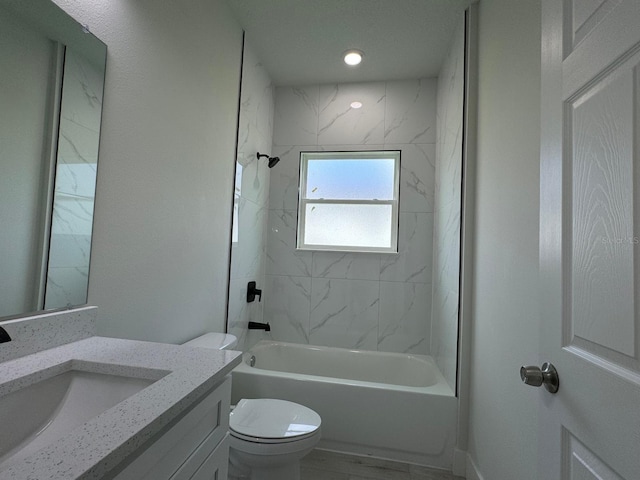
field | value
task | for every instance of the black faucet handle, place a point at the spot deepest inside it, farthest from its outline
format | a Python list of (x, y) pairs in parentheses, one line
[(252, 292), (4, 336)]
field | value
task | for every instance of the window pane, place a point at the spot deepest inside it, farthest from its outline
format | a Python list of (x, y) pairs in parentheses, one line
[(348, 225), (336, 179)]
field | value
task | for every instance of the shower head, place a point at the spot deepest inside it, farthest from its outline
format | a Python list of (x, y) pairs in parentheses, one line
[(272, 160)]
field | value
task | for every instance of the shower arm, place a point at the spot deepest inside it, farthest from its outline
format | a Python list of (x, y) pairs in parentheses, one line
[(272, 160)]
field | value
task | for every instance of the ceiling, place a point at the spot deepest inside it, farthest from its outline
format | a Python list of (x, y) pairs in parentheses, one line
[(302, 41)]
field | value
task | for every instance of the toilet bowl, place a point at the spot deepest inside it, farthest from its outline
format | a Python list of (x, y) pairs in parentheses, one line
[(268, 437)]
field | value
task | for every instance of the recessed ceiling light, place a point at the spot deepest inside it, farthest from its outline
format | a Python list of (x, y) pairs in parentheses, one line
[(353, 57), (356, 104)]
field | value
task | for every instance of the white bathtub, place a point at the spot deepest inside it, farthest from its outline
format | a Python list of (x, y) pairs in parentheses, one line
[(388, 405)]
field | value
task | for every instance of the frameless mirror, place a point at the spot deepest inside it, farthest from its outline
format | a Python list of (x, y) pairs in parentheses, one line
[(52, 76)]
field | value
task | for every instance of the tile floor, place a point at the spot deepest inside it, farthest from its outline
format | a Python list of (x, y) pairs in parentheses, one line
[(324, 465)]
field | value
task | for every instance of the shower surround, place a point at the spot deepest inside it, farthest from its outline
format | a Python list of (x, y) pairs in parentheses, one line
[(355, 300)]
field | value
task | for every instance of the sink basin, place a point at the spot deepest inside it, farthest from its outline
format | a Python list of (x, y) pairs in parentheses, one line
[(38, 414)]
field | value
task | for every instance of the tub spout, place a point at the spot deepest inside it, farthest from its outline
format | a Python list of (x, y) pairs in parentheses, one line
[(260, 326)]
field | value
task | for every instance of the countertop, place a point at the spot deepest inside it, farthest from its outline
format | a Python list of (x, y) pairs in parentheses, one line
[(92, 450)]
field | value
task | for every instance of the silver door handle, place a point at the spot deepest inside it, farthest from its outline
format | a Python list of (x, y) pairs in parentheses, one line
[(547, 376)]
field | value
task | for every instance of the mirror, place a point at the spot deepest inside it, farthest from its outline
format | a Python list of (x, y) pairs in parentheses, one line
[(52, 76)]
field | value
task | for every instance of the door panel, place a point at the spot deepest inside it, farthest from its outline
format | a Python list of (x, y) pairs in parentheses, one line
[(599, 131), (582, 18), (589, 243), (609, 40), (580, 463)]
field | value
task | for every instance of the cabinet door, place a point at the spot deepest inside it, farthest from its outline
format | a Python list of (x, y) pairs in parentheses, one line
[(216, 466), (184, 445)]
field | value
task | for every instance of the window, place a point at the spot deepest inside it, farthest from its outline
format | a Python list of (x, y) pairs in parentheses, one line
[(349, 201)]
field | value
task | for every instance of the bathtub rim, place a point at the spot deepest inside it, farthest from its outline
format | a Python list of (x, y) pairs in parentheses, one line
[(440, 388)]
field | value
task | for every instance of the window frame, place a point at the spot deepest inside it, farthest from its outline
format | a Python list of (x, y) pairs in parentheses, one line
[(305, 156)]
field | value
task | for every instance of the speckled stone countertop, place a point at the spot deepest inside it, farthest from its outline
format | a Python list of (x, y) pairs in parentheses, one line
[(94, 449)]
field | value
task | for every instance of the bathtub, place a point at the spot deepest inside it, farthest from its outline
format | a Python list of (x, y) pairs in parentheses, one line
[(387, 405)]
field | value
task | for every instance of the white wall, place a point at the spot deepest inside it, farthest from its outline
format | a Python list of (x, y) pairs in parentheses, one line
[(503, 412), (354, 300), (159, 265)]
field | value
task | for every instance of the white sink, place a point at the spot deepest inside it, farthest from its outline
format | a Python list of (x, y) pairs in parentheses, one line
[(39, 414)]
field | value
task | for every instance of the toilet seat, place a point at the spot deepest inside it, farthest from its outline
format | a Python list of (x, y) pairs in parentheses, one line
[(272, 421), (249, 438)]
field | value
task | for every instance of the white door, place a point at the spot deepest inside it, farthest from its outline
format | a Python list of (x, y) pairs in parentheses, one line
[(589, 240)]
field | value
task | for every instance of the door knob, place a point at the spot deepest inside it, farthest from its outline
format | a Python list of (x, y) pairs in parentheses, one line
[(547, 376)]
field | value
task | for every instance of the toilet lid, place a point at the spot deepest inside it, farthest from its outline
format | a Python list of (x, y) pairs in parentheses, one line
[(270, 419)]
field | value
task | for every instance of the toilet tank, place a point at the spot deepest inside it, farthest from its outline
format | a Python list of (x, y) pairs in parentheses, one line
[(215, 341)]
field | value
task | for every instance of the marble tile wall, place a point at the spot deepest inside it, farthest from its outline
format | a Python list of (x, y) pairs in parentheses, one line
[(355, 300), (75, 182), (448, 202), (251, 198)]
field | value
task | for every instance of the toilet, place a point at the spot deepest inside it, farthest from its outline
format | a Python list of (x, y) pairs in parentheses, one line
[(268, 437)]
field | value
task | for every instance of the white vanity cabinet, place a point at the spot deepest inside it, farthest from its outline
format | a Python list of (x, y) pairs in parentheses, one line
[(194, 447)]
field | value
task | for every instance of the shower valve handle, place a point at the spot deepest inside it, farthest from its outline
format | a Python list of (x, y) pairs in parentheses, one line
[(253, 292)]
